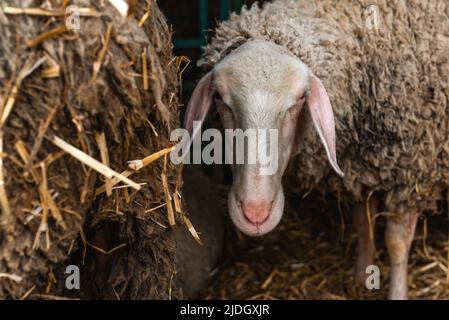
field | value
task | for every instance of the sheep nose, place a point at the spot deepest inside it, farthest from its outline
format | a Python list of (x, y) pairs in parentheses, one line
[(256, 212)]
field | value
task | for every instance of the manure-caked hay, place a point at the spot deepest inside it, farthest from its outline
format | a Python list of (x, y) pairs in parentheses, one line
[(85, 87)]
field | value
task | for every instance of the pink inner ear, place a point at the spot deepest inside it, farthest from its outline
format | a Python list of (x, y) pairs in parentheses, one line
[(323, 119), (199, 103)]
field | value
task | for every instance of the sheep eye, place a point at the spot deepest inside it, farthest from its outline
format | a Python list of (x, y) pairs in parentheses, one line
[(303, 97), (225, 113), (217, 97), (219, 101)]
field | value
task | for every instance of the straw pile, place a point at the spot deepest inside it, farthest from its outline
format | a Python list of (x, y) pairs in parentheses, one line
[(311, 255), (75, 107)]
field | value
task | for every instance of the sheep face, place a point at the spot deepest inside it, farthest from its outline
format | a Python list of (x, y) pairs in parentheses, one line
[(259, 90)]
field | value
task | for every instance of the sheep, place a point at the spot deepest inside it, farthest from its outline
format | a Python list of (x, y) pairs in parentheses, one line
[(195, 264), (376, 97)]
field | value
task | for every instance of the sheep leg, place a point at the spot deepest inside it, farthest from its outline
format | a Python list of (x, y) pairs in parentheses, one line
[(398, 238), (365, 238)]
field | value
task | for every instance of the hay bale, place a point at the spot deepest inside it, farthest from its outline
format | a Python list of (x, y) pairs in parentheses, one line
[(85, 87)]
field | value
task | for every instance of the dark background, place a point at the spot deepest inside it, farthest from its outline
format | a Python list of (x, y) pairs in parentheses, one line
[(184, 17)]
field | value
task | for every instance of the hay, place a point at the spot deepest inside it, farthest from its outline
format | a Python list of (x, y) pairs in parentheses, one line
[(75, 103), (121, 5), (307, 258), (4, 202), (84, 12), (91, 162), (47, 35)]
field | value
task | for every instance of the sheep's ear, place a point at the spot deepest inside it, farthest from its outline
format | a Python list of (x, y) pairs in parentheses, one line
[(199, 103), (323, 119)]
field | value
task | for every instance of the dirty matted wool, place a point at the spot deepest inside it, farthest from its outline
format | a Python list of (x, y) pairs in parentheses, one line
[(388, 83)]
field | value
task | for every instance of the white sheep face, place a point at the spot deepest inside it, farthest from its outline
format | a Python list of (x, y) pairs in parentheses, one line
[(262, 86)]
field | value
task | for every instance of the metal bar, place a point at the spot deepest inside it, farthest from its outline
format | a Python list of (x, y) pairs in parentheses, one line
[(204, 20), (188, 42), (225, 8), (238, 5), (188, 85)]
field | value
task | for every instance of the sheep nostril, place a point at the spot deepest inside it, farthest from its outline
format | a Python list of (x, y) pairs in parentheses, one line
[(256, 212)]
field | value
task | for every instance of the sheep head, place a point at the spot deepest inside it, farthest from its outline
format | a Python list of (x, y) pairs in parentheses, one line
[(263, 87)]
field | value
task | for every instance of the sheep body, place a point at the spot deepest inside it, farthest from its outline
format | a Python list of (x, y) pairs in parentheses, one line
[(388, 86)]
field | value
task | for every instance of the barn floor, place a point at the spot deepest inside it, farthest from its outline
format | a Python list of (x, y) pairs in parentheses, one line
[(311, 255)]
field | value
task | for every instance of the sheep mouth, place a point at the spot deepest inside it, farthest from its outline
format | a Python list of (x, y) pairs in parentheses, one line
[(251, 228), (255, 224)]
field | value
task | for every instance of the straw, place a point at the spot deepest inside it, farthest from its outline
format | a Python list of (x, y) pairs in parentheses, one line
[(146, 15), (168, 200), (28, 68), (86, 12), (11, 276), (303, 258), (6, 210), (144, 69), (191, 229), (47, 35), (98, 63), (102, 145), (92, 163), (136, 165)]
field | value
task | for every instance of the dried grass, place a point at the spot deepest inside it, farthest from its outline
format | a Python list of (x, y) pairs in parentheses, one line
[(47, 35), (27, 293), (98, 63), (305, 259), (40, 136), (83, 12), (136, 165), (168, 200), (54, 69), (155, 208), (191, 229), (4, 203), (144, 69), (28, 68), (44, 199), (146, 15), (13, 277), (102, 145), (92, 163), (181, 63)]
